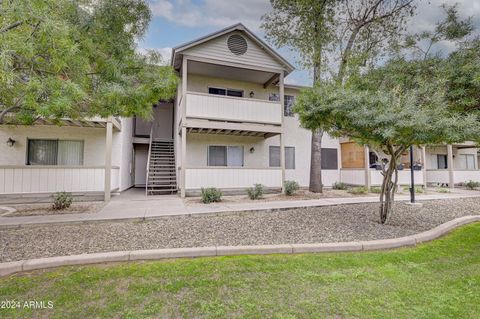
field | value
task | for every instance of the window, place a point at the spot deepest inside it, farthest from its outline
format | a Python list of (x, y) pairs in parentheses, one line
[(329, 158), (228, 92), (225, 155), (288, 104), (274, 157), (54, 152), (274, 97), (442, 161), (466, 161)]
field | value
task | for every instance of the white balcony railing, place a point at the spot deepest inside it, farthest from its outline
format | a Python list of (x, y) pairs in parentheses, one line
[(50, 179), (356, 176), (441, 176), (227, 108), (229, 177)]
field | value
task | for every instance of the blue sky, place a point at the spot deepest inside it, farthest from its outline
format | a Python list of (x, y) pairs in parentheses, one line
[(177, 21)]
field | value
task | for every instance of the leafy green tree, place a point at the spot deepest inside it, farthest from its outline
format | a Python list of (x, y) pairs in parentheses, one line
[(388, 118), (334, 32), (76, 59)]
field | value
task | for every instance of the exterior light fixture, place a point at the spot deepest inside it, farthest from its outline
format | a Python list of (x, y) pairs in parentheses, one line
[(10, 142), (252, 94), (252, 150)]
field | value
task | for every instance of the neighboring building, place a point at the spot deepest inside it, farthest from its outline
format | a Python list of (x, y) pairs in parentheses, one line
[(230, 126)]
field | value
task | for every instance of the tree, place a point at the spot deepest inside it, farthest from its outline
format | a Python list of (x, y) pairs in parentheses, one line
[(75, 59), (389, 118), (304, 26), (341, 33)]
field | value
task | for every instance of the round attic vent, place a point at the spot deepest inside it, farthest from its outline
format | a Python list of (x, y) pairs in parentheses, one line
[(237, 44)]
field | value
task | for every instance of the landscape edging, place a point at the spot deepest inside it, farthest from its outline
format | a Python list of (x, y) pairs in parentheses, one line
[(9, 268)]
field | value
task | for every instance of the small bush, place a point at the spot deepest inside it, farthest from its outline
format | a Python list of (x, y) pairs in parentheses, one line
[(255, 192), (211, 195), (291, 187), (62, 200), (339, 185), (375, 189), (358, 190), (472, 184), (443, 190), (418, 189)]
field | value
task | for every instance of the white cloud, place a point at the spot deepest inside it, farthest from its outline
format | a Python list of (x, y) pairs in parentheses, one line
[(217, 13)]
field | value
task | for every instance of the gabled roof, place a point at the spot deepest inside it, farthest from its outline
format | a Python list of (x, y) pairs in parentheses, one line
[(176, 51)]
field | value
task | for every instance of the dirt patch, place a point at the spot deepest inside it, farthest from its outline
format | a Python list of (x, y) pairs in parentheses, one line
[(46, 209)]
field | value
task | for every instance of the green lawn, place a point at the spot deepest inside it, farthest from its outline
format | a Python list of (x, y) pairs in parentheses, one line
[(436, 280)]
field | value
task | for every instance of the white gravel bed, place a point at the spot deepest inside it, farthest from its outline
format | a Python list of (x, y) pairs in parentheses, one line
[(313, 225)]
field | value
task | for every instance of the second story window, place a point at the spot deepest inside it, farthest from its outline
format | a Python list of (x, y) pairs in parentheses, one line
[(287, 108), (288, 103), (227, 92)]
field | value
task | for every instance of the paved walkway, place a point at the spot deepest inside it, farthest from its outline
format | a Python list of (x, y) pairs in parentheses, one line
[(133, 204)]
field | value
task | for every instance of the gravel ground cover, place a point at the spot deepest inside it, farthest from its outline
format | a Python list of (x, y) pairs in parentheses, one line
[(312, 225), (46, 209)]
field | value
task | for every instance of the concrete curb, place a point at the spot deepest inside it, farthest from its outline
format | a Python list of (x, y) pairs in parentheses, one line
[(9, 268)]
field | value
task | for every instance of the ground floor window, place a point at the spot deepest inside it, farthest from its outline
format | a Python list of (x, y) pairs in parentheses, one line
[(274, 157), (329, 158), (54, 152), (220, 155), (466, 161), (442, 161)]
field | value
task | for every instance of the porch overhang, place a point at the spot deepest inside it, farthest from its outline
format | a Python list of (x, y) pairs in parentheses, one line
[(94, 122), (232, 128)]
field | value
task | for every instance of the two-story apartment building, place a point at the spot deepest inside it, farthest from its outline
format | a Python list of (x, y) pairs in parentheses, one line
[(230, 126)]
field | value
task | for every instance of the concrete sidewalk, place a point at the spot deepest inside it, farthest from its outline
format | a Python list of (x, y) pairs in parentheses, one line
[(134, 204)]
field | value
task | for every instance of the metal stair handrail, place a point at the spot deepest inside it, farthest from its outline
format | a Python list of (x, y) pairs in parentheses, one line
[(148, 159)]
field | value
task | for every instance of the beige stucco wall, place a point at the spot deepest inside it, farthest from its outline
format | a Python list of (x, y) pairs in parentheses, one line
[(94, 142)]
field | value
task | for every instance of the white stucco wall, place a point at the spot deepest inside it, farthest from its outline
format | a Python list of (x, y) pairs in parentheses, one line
[(122, 153), (94, 142), (433, 151)]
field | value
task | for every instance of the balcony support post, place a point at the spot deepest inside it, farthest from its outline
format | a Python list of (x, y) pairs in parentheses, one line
[(108, 159), (424, 165), (451, 180), (184, 160), (282, 134), (368, 182)]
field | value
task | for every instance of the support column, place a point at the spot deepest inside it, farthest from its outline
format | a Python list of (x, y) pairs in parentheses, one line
[(451, 181), (184, 160), (108, 159), (184, 89), (368, 182), (282, 135), (424, 166)]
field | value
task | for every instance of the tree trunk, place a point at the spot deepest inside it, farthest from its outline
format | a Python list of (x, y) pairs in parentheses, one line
[(316, 185), (389, 187)]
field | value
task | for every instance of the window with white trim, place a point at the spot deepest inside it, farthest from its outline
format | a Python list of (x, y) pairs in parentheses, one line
[(466, 161), (274, 157), (288, 102), (221, 155), (54, 152), (227, 92)]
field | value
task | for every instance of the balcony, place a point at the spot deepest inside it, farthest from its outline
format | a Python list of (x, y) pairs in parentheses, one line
[(50, 179), (206, 113), (233, 178)]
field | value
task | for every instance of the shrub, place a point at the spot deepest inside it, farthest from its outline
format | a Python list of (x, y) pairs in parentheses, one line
[(472, 184), (358, 190), (291, 187), (375, 189), (211, 195), (418, 189), (443, 190), (255, 192), (339, 185), (62, 200)]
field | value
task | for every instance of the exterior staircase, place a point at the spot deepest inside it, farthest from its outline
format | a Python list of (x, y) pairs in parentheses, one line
[(161, 173)]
